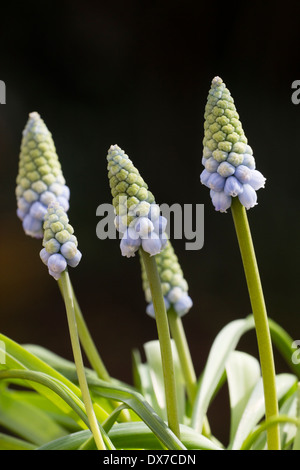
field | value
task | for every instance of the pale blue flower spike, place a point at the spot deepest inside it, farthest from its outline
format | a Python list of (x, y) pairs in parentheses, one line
[(40, 179), (137, 216), (60, 245), (229, 165)]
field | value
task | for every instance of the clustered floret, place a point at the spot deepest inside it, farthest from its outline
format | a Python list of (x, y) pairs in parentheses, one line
[(137, 217), (229, 165), (174, 286), (59, 242), (40, 180)]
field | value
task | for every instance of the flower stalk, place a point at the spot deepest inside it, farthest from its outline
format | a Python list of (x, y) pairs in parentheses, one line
[(260, 318), (90, 348), (69, 304), (142, 227), (164, 339), (178, 334), (87, 340)]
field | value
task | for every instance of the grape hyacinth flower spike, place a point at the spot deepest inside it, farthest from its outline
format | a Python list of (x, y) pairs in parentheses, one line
[(230, 173), (40, 183), (60, 244), (60, 251), (40, 180), (229, 165), (138, 218)]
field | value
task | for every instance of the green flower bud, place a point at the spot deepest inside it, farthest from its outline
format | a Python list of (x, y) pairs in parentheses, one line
[(134, 206), (40, 179), (135, 190), (60, 245), (229, 165)]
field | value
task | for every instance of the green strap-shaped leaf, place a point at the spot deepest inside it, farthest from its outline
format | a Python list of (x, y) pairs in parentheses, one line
[(137, 434), (58, 388), (13, 443), (27, 421), (154, 366), (17, 357), (255, 409), (243, 373), (132, 399), (141, 407), (39, 401), (224, 343)]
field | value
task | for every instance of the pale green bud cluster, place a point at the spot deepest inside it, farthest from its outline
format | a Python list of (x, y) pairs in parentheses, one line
[(40, 180), (128, 189), (59, 242), (173, 284), (222, 127), (138, 217), (229, 164)]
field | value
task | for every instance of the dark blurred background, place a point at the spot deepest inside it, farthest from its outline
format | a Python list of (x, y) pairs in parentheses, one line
[(137, 74)]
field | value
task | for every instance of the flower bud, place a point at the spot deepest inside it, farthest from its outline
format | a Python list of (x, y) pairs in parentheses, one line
[(137, 214), (248, 197), (60, 245), (226, 152), (40, 180)]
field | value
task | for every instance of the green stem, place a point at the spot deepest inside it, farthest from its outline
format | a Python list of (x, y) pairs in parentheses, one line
[(187, 367), (87, 341), (188, 371), (260, 318), (90, 348), (68, 298), (164, 340)]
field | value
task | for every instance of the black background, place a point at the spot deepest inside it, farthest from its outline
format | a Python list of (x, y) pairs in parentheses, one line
[(137, 74)]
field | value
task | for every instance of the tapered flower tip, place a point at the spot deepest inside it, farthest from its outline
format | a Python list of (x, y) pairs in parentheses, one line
[(216, 81), (137, 215), (229, 165), (174, 286), (60, 244), (40, 179)]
